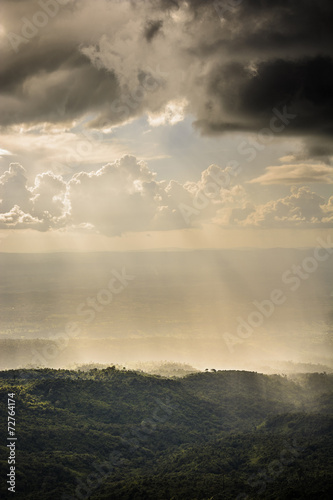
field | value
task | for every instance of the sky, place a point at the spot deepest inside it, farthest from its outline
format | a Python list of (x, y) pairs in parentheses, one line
[(165, 124), (200, 126)]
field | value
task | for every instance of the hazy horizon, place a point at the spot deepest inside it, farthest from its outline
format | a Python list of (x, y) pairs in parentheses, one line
[(177, 306)]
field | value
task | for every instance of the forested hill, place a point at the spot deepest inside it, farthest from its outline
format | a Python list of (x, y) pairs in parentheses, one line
[(118, 434)]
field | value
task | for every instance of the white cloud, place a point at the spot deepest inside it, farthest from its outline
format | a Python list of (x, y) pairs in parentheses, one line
[(301, 173), (174, 112), (302, 208), (4, 152), (13, 189), (41, 207), (17, 219), (124, 196), (48, 195), (121, 196)]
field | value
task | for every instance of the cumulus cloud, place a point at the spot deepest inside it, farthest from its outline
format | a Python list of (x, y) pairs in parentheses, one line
[(120, 197), (124, 196), (301, 173), (117, 60), (48, 195), (41, 206), (16, 218), (302, 208), (13, 188)]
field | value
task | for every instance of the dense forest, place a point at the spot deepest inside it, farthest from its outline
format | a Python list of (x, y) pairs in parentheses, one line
[(121, 434)]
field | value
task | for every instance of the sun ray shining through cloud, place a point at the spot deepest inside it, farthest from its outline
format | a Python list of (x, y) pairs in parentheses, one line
[(188, 140), (166, 246)]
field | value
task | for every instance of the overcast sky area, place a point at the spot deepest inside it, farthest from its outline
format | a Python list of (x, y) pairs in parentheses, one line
[(165, 124)]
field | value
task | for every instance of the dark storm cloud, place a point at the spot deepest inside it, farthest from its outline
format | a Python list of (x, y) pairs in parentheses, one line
[(248, 97), (320, 147), (46, 77), (234, 61), (280, 53), (56, 88), (151, 29)]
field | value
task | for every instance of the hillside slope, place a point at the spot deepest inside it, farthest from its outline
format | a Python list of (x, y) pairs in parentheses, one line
[(117, 434)]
